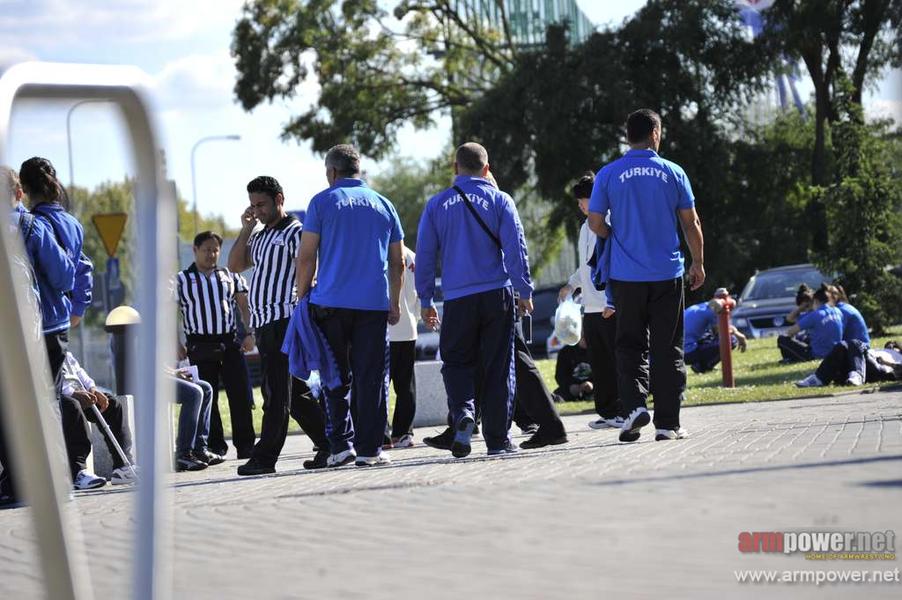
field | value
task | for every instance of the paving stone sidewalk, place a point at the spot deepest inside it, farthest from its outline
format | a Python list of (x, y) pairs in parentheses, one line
[(589, 519)]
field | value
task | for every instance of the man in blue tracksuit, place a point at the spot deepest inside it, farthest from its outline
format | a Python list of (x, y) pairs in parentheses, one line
[(647, 196), (474, 229)]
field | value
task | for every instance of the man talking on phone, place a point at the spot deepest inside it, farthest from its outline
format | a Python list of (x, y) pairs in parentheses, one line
[(646, 196), (272, 295)]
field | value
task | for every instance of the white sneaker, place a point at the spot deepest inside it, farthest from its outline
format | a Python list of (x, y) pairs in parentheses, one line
[(670, 434), (602, 423), (405, 441), (85, 480), (636, 420), (373, 461), (124, 475), (854, 378), (810, 381), (341, 459)]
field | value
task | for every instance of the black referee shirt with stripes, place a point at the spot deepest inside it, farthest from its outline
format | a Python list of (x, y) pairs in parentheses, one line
[(272, 292), (207, 301)]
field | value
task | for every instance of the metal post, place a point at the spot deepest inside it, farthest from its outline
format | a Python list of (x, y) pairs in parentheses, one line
[(26, 399), (64, 572), (209, 138), (82, 355), (726, 340)]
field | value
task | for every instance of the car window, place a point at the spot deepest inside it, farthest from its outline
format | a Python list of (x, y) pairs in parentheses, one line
[(770, 285)]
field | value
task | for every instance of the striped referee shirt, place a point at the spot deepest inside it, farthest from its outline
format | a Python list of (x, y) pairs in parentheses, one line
[(207, 301), (273, 293)]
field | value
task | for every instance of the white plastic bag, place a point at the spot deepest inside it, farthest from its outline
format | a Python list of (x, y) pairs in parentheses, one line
[(568, 322)]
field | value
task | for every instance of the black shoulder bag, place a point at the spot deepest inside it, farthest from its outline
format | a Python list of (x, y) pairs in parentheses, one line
[(476, 216)]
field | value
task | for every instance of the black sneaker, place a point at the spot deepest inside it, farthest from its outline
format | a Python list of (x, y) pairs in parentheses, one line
[(185, 461), (10, 501), (252, 467), (460, 447), (441, 441), (207, 457), (540, 440), (319, 460), (636, 420)]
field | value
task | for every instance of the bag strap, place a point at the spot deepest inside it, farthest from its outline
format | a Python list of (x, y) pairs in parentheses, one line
[(477, 217)]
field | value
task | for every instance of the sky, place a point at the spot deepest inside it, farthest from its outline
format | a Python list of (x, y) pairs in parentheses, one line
[(184, 48)]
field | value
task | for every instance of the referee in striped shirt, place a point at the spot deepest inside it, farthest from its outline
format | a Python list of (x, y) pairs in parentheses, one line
[(272, 296), (206, 295)]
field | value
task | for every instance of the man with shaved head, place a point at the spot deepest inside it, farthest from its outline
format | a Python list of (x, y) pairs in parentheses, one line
[(474, 230)]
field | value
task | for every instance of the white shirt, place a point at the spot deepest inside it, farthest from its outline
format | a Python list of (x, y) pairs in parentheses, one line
[(887, 354), (593, 301), (406, 329), (73, 378)]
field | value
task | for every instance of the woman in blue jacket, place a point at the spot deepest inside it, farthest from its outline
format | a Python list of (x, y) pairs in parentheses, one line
[(60, 310)]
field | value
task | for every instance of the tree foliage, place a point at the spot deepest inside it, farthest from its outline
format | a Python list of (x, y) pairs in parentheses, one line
[(864, 222), (377, 69)]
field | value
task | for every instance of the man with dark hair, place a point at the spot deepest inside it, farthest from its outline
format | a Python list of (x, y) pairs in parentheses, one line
[(207, 294), (644, 196), (475, 230), (352, 240), (824, 326), (701, 339), (599, 325), (271, 299)]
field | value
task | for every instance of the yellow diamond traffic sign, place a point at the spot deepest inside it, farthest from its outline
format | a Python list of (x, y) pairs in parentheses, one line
[(110, 227)]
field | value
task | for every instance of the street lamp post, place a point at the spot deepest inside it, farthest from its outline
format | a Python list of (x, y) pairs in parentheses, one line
[(69, 137), (82, 330), (233, 137)]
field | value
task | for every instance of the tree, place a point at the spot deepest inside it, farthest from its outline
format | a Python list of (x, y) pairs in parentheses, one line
[(863, 212), (208, 222), (377, 70), (835, 39), (409, 183), (564, 106)]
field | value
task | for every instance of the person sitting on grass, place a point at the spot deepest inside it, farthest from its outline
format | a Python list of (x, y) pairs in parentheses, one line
[(853, 363), (853, 324), (573, 373), (701, 342), (823, 325)]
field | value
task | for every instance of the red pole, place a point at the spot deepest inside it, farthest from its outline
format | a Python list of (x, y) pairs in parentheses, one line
[(726, 345)]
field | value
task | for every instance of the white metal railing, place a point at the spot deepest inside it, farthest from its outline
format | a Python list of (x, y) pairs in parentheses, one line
[(24, 375)]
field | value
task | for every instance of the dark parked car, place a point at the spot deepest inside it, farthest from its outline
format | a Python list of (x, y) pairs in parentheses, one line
[(769, 296)]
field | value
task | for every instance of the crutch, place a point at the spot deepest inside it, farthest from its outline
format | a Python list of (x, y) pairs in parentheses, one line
[(112, 438), (109, 434)]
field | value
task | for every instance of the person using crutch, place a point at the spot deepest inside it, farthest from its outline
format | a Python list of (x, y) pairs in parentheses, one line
[(81, 402)]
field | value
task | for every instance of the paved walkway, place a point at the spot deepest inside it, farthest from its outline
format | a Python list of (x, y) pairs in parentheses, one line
[(585, 520)]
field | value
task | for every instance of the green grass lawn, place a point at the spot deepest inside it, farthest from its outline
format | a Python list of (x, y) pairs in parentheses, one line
[(759, 377)]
